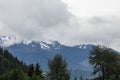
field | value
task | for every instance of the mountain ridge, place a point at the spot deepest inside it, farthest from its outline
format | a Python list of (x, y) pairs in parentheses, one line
[(32, 52)]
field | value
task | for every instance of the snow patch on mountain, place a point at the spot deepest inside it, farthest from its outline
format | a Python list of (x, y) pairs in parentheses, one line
[(26, 42), (50, 44), (44, 45)]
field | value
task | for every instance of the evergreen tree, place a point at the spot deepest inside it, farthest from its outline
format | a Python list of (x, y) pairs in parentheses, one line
[(58, 69), (81, 78), (8, 62), (14, 75), (75, 78), (38, 70), (106, 63), (35, 77), (30, 71)]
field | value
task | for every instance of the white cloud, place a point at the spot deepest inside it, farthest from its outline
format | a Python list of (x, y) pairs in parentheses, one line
[(93, 7), (52, 20)]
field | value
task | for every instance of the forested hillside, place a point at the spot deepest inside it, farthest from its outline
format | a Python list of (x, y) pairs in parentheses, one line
[(8, 62), (13, 69)]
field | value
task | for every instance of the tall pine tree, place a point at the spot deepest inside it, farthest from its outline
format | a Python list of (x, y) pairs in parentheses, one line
[(38, 70), (30, 71), (58, 69)]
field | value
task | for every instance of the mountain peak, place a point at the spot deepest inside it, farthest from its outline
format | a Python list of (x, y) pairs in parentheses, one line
[(6, 41), (26, 42), (44, 45)]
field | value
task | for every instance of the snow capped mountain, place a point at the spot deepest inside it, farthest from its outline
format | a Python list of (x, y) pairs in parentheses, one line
[(42, 45), (35, 51), (6, 41)]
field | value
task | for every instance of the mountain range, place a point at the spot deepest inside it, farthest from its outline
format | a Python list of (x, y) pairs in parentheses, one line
[(32, 52)]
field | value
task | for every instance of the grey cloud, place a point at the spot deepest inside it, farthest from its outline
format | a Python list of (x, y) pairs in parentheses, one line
[(47, 12), (104, 29), (29, 17), (35, 9), (106, 32), (51, 20)]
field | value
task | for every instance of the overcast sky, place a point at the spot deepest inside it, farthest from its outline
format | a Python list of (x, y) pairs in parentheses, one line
[(68, 21)]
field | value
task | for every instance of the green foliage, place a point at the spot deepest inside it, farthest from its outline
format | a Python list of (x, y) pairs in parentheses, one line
[(30, 70), (106, 63), (13, 69), (38, 70), (81, 78), (35, 73), (75, 78), (58, 69), (13, 75), (8, 62)]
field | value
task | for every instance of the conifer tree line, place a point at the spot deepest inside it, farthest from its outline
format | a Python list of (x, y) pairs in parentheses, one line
[(105, 62), (13, 69)]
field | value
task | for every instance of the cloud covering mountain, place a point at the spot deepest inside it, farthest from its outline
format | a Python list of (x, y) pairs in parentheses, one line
[(53, 20)]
